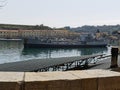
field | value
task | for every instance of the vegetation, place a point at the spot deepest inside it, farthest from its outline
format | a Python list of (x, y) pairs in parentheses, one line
[(104, 28), (27, 27), (24, 27)]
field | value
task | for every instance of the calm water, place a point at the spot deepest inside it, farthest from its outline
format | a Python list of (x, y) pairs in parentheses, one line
[(12, 51)]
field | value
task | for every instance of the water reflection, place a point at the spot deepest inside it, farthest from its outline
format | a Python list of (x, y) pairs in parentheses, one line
[(12, 51), (53, 53), (47, 52), (91, 51)]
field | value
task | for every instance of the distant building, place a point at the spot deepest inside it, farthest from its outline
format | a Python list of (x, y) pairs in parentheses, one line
[(37, 34), (9, 33)]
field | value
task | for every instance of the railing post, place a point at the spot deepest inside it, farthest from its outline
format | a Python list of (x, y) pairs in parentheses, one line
[(114, 57)]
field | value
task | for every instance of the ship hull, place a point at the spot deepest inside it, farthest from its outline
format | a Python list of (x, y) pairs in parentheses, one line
[(33, 43), (61, 46)]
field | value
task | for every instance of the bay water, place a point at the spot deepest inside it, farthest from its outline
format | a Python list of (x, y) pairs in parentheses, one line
[(14, 51)]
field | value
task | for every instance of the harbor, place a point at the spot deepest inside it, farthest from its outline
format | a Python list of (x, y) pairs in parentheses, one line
[(13, 51), (98, 61), (59, 45), (15, 57)]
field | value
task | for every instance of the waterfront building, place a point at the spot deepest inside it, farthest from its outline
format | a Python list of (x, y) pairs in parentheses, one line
[(9, 33), (38, 34)]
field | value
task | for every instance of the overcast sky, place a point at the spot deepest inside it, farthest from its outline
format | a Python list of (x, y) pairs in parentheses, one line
[(60, 13)]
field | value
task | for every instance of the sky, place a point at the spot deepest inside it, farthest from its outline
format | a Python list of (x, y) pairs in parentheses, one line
[(60, 13)]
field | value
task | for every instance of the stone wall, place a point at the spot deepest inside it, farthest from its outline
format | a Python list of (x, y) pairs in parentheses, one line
[(70, 80)]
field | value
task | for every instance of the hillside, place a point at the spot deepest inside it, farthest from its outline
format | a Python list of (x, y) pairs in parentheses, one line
[(86, 28), (104, 28), (23, 27)]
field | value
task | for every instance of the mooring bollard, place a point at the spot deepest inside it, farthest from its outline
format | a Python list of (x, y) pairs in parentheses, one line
[(114, 57)]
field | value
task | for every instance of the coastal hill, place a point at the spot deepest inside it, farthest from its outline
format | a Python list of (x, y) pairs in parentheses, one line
[(85, 28), (88, 28), (24, 27), (109, 33), (42, 32)]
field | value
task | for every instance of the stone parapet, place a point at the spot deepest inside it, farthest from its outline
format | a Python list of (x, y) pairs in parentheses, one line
[(11, 80), (70, 80)]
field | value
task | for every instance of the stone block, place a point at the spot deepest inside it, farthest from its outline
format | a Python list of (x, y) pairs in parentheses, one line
[(109, 83), (88, 81), (89, 84), (54, 85), (10, 86), (106, 80), (51, 81), (109, 80), (11, 80), (47, 76), (73, 80)]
